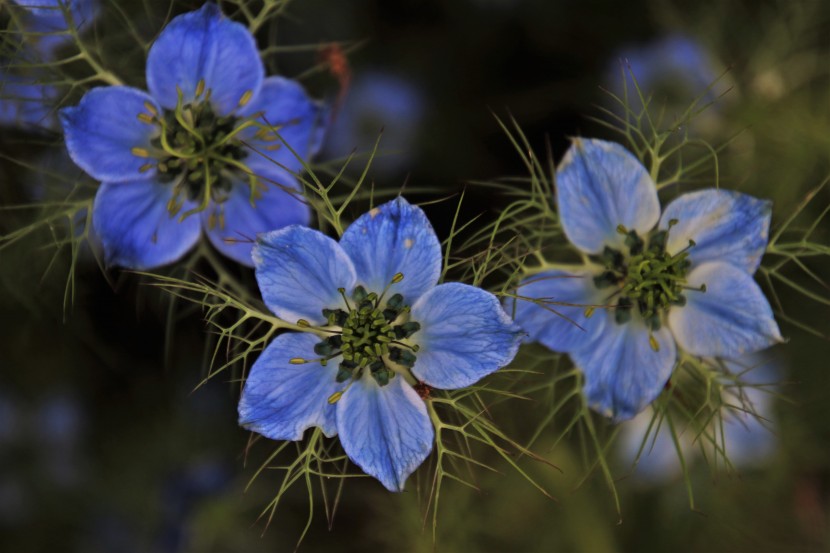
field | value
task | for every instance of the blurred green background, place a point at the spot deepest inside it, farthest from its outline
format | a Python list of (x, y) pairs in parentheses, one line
[(104, 445)]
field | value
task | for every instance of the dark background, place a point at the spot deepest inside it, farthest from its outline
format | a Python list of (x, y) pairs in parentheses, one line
[(105, 445)]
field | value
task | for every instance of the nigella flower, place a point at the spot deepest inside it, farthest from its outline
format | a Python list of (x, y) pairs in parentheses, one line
[(650, 283), (26, 104), (675, 65), (48, 23), (378, 102), (199, 152), (379, 326), (744, 434)]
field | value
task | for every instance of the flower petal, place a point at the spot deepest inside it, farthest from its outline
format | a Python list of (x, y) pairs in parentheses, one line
[(725, 225), (204, 45), (385, 430), (280, 205), (102, 130), (623, 374), (299, 271), (465, 335), (728, 320), (281, 400), (395, 237), (562, 328), (286, 108), (135, 228), (601, 185)]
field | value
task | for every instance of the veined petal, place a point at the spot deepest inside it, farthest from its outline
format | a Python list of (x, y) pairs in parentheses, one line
[(299, 271), (385, 430), (728, 320), (283, 106), (395, 237), (559, 319), (465, 335), (103, 133), (623, 374), (233, 225), (204, 45), (135, 227), (601, 185), (281, 400), (725, 225)]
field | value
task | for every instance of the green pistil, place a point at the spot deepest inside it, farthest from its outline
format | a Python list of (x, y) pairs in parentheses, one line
[(199, 152), (370, 335), (646, 276)]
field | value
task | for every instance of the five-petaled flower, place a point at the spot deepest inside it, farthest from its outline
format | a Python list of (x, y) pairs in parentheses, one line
[(203, 150), (649, 283), (378, 324)]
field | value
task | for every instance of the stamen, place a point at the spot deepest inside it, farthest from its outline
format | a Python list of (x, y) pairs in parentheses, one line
[(145, 118), (345, 299), (246, 97), (652, 341), (200, 87)]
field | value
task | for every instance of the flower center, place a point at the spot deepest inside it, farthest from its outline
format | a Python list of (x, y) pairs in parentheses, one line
[(201, 153), (646, 276), (370, 336)]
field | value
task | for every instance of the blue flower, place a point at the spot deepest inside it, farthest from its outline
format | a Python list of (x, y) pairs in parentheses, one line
[(199, 152), (744, 434), (47, 20), (381, 323), (649, 284), (26, 104), (379, 102)]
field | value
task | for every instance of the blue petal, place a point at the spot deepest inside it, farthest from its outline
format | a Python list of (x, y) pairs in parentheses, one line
[(623, 374), (281, 400), (562, 328), (395, 237), (299, 271), (47, 20), (465, 335), (385, 430), (204, 45), (135, 228), (284, 106), (728, 320), (601, 185), (103, 129), (280, 205), (725, 225)]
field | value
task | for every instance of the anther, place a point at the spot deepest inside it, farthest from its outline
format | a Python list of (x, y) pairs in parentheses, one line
[(145, 118), (146, 167), (652, 341), (246, 97), (397, 278), (303, 323), (140, 152), (298, 361), (200, 87)]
